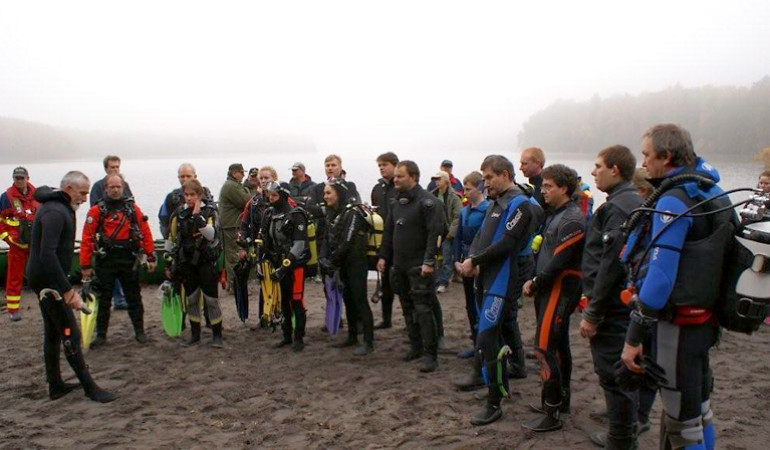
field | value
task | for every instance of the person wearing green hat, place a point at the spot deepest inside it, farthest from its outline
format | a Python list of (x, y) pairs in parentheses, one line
[(232, 199)]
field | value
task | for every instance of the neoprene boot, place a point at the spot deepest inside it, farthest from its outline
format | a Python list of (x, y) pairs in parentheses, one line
[(473, 380), (412, 354), (195, 334), (216, 340), (488, 414), (56, 387), (564, 409), (364, 349), (517, 365), (139, 331), (351, 341), (136, 314), (299, 332), (59, 389), (546, 422), (604, 440), (429, 364), (566, 395), (77, 362)]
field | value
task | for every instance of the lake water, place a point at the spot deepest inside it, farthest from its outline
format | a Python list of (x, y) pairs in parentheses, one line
[(152, 179)]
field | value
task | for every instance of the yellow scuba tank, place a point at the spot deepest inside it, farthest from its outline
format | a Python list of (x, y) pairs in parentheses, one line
[(311, 242), (374, 235)]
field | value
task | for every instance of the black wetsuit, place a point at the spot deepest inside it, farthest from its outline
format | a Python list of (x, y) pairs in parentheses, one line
[(316, 205), (51, 252), (537, 183), (557, 289), (383, 194), (248, 232), (345, 250), (603, 280), (410, 241), (284, 231)]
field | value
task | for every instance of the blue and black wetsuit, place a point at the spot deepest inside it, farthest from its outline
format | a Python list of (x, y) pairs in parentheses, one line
[(678, 285), (502, 250)]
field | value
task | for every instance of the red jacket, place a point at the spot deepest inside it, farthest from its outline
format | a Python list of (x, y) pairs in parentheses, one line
[(116, 229), (16, 208)]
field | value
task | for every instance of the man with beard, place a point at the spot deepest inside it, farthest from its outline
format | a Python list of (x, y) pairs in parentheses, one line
[(116, 231)]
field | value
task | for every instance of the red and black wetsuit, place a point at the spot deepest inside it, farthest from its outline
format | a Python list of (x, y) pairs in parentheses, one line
[(557, 289)]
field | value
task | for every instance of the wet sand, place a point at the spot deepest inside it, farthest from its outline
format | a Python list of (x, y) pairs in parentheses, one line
[(250, 395)]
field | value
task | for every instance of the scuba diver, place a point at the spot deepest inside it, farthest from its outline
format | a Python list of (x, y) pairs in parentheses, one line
[(468, 227), (285, 244), (605, 318), (251, 220), (676, 264), (409, 245), (345, 251), (116, 239), (498, 256), (194, 247), (557, 290), (49, 264), (383, 194)]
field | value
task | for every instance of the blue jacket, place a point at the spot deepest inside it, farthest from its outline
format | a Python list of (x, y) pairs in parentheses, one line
[(470, 223)]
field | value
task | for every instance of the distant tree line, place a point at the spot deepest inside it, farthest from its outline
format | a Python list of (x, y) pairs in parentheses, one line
[(26, 141), (725, 122)]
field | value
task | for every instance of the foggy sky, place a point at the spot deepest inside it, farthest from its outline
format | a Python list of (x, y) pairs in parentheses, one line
[(358, 75)]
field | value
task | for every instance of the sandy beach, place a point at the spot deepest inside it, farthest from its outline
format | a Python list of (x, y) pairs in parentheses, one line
[(250, 395)]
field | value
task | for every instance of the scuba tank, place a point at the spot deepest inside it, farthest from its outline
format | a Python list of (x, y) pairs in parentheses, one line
[(375, 228), (747, 270)]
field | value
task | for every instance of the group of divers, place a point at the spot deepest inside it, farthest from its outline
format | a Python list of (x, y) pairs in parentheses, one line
[(628, 266)]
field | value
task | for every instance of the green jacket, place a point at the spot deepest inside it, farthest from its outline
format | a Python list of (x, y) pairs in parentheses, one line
[(232, 199), (452, 208)]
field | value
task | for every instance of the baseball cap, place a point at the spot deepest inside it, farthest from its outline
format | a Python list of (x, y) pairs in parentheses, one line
[(298, 165), (20, 172), (446, 163), (253, 171), (440, 174)]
